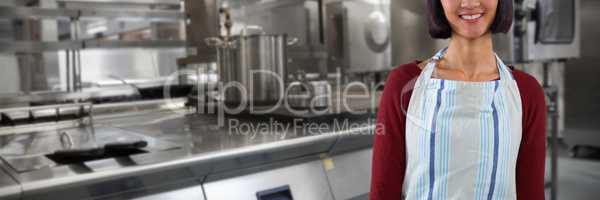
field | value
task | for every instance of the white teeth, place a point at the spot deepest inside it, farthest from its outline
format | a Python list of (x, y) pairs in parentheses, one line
[(469, 17)]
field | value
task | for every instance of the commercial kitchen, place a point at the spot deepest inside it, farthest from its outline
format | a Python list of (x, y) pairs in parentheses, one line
[(251, 99)]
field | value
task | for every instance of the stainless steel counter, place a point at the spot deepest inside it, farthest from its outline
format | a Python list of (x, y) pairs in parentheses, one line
[(183, 150), (9, 188)]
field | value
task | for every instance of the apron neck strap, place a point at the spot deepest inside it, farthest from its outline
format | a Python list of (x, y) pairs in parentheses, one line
[(504, 72)]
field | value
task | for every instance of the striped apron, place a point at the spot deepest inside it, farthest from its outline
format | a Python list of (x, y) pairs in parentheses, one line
[(462, 138)]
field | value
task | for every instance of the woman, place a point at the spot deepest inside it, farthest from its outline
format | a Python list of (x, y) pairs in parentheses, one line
[(461, 125)]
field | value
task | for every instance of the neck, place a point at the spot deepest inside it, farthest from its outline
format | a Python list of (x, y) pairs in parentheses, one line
[(471, 56)]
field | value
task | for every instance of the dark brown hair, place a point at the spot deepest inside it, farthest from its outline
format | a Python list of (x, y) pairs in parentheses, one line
[(440, 28)]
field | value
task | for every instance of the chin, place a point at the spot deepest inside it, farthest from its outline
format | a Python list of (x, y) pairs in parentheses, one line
[(472, 35)]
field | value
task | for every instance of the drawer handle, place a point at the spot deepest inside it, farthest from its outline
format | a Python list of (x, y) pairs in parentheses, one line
[(278, 193)]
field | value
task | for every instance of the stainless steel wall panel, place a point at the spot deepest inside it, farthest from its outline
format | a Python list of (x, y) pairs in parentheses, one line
[(350, 174), (151, 185), (195, 193), (306, 182), (410, 33)]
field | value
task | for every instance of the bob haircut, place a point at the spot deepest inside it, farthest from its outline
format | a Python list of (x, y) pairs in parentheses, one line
[(440, 28)]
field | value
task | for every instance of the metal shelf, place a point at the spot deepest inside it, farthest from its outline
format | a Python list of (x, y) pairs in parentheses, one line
[(37, 46), (9, 12), (94, 44), (131, 15), (45, 97), (146, 2)]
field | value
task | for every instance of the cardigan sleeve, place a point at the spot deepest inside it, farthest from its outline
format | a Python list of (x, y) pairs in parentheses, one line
[(532, 151), (389, 148)]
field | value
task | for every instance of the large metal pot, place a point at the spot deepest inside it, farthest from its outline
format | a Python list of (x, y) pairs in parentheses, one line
[(253, 68)]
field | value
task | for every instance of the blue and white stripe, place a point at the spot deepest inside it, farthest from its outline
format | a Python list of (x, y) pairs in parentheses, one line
[(445, 115), (432, 140), (486, 145), (462, 138)]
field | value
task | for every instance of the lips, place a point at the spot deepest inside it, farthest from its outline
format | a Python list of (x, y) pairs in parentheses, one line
[(471, 17)]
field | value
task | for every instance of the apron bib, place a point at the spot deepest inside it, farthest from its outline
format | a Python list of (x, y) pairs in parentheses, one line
[(462, 138)]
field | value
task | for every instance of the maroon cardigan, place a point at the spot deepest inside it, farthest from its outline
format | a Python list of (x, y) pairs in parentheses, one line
[(389, 148)]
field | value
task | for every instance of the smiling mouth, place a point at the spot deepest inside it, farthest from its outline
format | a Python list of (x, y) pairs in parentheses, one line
[(471, 17)]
